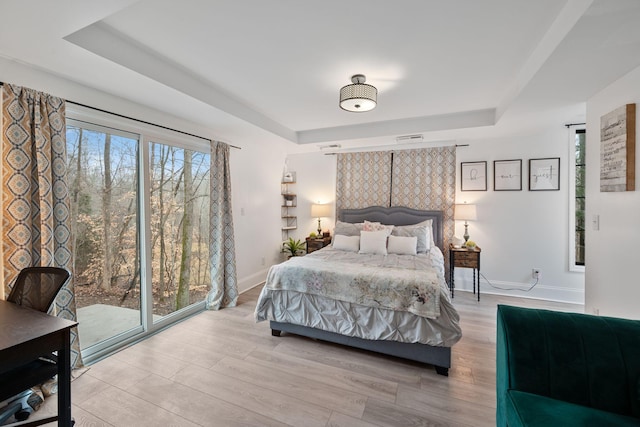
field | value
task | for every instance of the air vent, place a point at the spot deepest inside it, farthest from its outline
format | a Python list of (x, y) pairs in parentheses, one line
[(410, 138), (331, 146)]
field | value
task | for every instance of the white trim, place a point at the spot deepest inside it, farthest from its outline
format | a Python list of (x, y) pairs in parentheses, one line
[(252, 281), (571, 176), (516, 289)]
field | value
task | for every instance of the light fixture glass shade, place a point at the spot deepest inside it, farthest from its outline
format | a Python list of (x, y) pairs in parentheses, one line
[(358, 97), (465, 212), (318, 210)]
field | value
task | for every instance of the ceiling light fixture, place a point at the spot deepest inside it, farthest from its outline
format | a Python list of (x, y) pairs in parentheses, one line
[(358, 97)]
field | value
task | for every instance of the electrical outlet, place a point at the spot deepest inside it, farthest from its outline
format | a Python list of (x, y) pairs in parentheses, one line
[(536, 274)]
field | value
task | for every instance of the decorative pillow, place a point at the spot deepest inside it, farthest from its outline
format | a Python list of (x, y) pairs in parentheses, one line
[(376, 226), (346, 243), (402, 245), (422, 230), (347, 228), (373, 242)]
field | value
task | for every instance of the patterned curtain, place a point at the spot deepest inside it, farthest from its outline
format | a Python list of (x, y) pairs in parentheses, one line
[(224, 289), (35, 196), (426, 179), (363, 179)]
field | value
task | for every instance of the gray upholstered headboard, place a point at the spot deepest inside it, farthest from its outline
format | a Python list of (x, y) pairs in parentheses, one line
[(395, 215)]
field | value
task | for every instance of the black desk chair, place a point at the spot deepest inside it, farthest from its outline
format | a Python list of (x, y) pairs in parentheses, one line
[(35, 288)]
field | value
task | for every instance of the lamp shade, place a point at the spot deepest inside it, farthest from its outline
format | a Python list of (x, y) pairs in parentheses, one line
[(359, 96), (465, 212), (318, 210)]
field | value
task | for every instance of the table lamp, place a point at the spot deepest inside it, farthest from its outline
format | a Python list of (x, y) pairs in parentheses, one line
[(465, 212), (319, 210)]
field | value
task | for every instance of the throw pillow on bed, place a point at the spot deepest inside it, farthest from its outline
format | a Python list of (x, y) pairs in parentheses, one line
[(376, 226), (346, 243), (373, 242), (402, 245)]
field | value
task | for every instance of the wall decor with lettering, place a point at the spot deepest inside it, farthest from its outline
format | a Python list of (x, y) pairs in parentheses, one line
[(473, 176), (507, 175), (618, 149), (544, 174)]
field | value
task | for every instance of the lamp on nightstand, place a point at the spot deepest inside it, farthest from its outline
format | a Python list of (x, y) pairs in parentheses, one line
[(465, 212), (318, 210)]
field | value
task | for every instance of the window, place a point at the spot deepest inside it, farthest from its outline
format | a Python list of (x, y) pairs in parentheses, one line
[(140, 209), (577, 199)]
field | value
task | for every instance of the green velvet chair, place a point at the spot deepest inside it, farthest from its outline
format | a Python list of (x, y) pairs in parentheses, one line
[(566, 369)]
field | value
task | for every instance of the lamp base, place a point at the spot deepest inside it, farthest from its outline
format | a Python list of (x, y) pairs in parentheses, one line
[(319, 229), (466, 232)]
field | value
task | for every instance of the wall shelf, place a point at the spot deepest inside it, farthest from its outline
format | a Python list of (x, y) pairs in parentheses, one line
[(287, 209)]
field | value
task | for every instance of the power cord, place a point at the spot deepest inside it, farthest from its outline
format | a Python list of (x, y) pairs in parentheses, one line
[(508, 289)]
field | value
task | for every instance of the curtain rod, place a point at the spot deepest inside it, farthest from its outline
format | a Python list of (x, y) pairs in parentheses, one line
[(347, 152), (568, 125), (142, 121)]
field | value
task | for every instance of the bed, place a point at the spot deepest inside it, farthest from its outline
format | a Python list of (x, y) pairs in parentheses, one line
[(396, 304)]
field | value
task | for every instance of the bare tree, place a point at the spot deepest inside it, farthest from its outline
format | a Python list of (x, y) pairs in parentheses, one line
[(182, 296)]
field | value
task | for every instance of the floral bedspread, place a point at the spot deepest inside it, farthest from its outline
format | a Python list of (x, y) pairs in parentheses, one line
[(402, 289)]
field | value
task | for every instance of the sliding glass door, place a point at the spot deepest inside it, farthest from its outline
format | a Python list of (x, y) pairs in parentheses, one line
[(140, 225), (103, 180)]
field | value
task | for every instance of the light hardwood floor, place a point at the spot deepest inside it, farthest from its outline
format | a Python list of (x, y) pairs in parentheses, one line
[(222, 369)]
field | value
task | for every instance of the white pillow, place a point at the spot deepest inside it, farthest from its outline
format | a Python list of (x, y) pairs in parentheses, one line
[(402, 245), (423, 231), (373, 242), (346, 243)]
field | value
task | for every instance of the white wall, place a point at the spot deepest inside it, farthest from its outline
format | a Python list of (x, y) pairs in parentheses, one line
[(255, 170), (612, 287), (255, 180), (315, 182), (521, 230)]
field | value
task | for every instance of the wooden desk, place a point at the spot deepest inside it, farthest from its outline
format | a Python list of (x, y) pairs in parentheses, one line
[(25, 335)]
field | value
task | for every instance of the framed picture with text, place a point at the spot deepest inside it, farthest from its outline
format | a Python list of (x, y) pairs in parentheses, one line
[(473, 176), (507, 175), (544, 174)]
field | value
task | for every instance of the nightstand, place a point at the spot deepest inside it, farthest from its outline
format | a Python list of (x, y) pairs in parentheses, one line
[(319, 243), (464, 258)]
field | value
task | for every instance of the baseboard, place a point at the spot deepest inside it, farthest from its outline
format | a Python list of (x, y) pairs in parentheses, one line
[(252, 281), (515, 289)]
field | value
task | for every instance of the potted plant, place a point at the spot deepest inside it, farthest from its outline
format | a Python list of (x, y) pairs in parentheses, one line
[(294, 247)]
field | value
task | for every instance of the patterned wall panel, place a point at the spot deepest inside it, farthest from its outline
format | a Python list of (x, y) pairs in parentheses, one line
[(363, 179), (426, 179)]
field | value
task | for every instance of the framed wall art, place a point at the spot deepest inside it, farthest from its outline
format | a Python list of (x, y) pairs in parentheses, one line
[(507, 175), (544, 174), (618, 149), (473, 176)]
